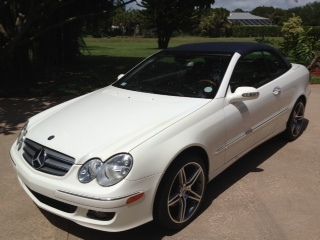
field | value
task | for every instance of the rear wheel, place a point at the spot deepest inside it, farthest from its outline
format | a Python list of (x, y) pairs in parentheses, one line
[(296, 121), (180, 193)]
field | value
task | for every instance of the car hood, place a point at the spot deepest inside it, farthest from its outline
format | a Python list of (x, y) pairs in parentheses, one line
[(110, 118)]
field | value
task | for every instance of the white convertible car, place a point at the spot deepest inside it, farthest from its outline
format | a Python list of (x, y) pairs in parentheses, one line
[(145, 147)]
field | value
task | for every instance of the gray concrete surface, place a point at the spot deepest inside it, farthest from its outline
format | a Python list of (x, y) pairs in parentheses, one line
[(271, 193)]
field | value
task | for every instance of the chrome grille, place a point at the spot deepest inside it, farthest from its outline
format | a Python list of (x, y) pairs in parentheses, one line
[(55, 163)]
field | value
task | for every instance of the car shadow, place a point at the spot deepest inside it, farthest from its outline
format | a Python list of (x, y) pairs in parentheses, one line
[(86, 75), (147, 231), (249, 163)]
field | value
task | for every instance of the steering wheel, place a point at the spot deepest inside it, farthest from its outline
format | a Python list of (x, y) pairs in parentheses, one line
[(210, 82)]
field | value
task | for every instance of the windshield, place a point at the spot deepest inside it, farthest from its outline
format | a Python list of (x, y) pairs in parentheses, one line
[(178, 74)]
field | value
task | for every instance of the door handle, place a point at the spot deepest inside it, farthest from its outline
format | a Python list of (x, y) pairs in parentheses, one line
[(276, 91)]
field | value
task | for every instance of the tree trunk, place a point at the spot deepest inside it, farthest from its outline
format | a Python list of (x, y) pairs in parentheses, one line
[(164, 38), (16, 73)]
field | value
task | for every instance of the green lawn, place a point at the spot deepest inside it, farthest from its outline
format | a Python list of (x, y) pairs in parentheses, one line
[(143, 47), (315, 80), (103, 59)]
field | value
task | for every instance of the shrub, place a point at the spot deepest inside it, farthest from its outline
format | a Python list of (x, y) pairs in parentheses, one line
[(298, 42), (256, 31), (314, 32)]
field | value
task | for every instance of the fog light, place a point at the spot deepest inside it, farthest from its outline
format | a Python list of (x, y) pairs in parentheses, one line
[(102, 216)]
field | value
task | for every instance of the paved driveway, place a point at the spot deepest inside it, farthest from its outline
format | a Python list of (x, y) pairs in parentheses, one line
[(271, 193)]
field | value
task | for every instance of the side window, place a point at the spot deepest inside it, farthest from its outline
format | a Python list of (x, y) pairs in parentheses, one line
[(275, 64), (250, 71)]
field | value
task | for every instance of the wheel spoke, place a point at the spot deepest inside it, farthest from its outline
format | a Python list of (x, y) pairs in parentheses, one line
[(299, 118), (293, 127), (297, 130), (174, 200), (182, 209), (182, 177), (194, 178), (301, 108), (194, 196)]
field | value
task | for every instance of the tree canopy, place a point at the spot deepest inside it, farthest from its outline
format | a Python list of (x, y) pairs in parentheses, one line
[(308, 13), (238, 10), (36, 36), (215, 22), (167, 16)]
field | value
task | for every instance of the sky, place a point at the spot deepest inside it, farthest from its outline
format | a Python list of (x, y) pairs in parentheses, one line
[(248, 5)]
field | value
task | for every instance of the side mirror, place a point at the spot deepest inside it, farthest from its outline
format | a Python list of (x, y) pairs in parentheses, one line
[(243, 94), (120, 76)]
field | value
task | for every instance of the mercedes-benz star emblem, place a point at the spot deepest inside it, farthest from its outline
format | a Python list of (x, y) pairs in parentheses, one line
[(39, 159)]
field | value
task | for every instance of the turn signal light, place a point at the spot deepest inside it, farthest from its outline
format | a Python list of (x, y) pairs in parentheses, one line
[(135, 198)]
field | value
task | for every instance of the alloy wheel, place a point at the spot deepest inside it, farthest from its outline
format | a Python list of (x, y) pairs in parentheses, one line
[(186, 192), (297, 119)]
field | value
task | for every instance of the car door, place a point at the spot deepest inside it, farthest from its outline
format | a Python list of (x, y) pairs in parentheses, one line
[(250, 122)]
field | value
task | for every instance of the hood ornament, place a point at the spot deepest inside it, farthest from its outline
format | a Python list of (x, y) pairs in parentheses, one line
[(39, 159), (51, 137)]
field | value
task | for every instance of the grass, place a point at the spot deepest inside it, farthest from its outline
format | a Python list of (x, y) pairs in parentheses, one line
[(143, 47), (315, 80), (103, 59)]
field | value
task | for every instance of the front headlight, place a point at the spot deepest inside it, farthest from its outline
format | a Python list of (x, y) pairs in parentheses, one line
[(21, 136), (89, 170), (114, 170), (108, 173)]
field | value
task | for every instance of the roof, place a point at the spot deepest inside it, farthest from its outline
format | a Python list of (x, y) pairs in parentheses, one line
[(242, 48), (244, 18), (244, 15)]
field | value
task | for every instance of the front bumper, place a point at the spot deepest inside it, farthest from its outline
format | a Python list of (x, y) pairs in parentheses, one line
[(82, 198)]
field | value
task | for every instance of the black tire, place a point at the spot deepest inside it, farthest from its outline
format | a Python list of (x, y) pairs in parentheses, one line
[(182, 187), (295, 124)]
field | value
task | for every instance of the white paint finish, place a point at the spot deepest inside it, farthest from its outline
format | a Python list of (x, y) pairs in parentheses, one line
[(243, 94), (205, 129), (111, 118), (225, 82), (154, 129)]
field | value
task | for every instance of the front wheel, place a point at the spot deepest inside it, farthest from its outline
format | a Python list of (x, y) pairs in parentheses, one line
[(180, 193), (296, 121)]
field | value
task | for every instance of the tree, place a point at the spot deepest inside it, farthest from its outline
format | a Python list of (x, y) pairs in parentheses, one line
[(238, 10), (263, 11), (291, 31), (298, 44), (276, 15), (168, 16), (215, 23), (128, 20), (37, 35), (308, 13)]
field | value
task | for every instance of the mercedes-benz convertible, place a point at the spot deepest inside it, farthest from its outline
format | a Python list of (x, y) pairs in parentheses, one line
[(145, 147)]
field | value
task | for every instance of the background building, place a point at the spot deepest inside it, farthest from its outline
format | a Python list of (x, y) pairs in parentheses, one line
[(248, 19)]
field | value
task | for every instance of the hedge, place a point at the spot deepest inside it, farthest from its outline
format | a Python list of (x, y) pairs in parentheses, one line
[(256, 31), (315, 31), (266, 31)]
